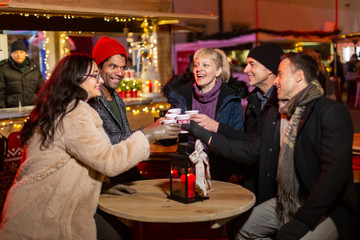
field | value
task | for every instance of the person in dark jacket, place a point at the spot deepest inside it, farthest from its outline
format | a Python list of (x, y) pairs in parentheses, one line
[(316, 198), (351, 73), (20, 78), (256, 149), (217, 96)]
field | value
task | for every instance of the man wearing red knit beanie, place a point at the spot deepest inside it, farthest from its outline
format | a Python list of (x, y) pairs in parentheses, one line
[(111, 58)]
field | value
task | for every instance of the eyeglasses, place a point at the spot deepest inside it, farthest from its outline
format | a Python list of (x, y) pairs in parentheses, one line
[(97, 76)]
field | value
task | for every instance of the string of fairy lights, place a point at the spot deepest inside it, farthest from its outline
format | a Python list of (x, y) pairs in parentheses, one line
[(16, 124), (153, 109), (12, 124), (72, 16), (148, 42)]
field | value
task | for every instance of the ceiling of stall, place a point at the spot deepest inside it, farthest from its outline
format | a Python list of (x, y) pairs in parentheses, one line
[(32, 16)]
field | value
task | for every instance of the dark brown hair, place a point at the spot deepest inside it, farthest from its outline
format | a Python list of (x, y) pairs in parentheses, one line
[(302, 61), (53, 99)]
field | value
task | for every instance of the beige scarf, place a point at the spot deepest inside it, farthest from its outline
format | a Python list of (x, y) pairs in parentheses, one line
[(289, 200)]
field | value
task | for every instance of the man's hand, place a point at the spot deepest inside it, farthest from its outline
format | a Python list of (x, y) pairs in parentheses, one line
[(197, 132), (205, 122), (117, 189)]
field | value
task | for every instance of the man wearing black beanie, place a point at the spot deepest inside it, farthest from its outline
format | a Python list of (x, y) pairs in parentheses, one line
[(20, 78), (256, 162), (255, 151)]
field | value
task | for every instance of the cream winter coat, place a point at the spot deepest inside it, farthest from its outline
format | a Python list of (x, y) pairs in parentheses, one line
[(56, 191)]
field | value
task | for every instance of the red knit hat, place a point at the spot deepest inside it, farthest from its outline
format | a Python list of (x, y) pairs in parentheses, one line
[(105, 48)]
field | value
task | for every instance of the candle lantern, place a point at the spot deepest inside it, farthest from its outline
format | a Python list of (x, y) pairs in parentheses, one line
[(183, 176)]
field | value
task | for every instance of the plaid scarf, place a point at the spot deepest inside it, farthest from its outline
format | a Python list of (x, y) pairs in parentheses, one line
[(289, 199)]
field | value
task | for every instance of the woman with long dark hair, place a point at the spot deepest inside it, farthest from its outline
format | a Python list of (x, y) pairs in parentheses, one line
[(66, 156)]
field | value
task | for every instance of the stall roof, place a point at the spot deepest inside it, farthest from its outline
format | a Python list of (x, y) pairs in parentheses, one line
[(38, 16), (53, 10)]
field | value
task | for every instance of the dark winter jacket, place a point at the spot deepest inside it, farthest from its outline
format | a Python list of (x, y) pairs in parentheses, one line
[(229, 112), (179, 92), (17, 86), (323, 161), (254, 151)]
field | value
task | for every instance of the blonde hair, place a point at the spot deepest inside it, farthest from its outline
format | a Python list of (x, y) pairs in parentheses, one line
[(219, 58)]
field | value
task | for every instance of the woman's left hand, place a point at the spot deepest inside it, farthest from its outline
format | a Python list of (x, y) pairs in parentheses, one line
[(205, 122)]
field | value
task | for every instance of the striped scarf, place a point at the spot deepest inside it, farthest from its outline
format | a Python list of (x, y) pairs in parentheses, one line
[(289, 199)]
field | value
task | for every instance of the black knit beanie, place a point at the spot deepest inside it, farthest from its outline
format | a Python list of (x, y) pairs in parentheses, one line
[(268, 55), (18, 45)]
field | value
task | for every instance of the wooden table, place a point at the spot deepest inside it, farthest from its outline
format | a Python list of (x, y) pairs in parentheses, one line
[(150, 204)]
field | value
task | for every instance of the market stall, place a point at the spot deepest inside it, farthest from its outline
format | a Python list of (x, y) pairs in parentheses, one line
[(55, 28), (237, 45)]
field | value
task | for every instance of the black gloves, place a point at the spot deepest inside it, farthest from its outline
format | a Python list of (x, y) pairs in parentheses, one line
[(197, 132), (293, 230)]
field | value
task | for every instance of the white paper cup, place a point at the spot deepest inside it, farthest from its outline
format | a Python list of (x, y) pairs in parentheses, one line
[(168, 121), (183, 118), (170, 116), (176, 111), (191, 112)]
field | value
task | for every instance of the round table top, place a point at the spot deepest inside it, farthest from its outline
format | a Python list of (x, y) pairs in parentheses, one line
[(150, 203)]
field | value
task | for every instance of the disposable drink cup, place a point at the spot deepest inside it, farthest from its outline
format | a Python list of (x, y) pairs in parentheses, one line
[(183, 118), (176, 111), (168, 121), (170, 116), (191, 112)]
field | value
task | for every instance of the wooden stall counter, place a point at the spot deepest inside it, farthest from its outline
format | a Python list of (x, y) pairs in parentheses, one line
[(158, 165), (12, 119), (356, 143)]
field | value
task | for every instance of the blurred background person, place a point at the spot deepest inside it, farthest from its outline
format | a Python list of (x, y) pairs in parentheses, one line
[(20, 78), (350, 76), (339, 74), (324, 78)]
